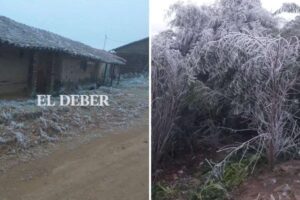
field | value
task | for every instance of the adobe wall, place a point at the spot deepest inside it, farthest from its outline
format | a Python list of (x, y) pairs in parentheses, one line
[(135, 63), (74, 72), (68, 72), (14, 66), (103, 73)]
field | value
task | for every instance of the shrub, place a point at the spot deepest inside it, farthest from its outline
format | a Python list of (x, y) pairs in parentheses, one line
[(223, 66)]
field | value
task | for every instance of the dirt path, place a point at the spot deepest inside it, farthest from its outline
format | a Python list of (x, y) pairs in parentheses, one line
[(114, 167)]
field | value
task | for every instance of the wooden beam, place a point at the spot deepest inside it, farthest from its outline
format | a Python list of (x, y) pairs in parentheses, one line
[(112, 74), (105, 69), (52, 73), (96, 75), (119, 75), (33, 73)]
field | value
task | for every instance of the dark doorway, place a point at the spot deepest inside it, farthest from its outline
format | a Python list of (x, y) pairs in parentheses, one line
[(43, 73)]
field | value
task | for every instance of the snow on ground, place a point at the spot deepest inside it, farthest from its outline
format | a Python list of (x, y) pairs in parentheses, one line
[(23, 124)]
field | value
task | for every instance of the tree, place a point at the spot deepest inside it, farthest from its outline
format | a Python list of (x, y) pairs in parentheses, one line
[(265, 90), (168, 89), (292, 28), (227, 59)]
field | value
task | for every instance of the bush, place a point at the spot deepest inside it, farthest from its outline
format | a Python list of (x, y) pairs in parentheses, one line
[(160, 192), (223, 66)]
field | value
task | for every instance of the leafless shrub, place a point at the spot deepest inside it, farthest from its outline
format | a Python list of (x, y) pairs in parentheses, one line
[(168, 88), (231, 59), (269, 70)]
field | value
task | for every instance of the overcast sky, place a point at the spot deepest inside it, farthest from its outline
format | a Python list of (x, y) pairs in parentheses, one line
[(84, 20), (159, 8)]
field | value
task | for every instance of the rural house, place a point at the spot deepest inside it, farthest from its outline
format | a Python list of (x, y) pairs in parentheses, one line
[(136, 55), (35, 61)]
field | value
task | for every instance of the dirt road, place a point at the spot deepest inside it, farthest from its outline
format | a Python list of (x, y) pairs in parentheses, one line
[(114, 167)]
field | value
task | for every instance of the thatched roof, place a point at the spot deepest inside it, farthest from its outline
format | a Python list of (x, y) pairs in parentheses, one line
[(23, 36)]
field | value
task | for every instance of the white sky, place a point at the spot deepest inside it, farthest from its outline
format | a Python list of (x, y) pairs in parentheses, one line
[(158, 10)]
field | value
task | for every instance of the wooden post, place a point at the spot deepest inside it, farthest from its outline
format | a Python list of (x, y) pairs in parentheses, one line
[(119, 74), (59, 67), (104, 78), (96, 76), (52, 73), (34, 70), (112, 74)]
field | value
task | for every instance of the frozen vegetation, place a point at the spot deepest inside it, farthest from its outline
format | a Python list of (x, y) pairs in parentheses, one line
[(23, 124), (225, 77)]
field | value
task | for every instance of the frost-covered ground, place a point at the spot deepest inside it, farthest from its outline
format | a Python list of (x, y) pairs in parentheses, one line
[(23, 124)]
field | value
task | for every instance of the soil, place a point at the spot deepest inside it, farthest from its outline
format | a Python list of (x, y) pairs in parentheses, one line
[(112, 167), (77, 153), (281, 184), (184, 176), (181, 175)]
